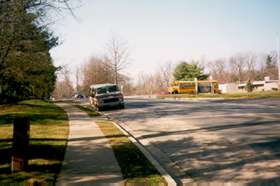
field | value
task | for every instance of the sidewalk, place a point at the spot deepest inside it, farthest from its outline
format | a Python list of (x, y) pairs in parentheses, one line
[(89, 159)]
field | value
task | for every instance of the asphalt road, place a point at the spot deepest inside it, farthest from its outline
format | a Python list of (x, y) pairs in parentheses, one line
[(209, 141)]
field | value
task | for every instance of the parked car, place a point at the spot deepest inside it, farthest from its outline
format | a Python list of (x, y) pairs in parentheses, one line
[(106, 95)]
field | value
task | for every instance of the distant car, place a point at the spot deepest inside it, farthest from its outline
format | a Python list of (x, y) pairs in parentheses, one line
[(106, 95), (79, 96), (52, 98)]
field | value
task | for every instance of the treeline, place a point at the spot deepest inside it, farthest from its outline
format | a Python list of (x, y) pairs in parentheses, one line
[(100, 70), (240, 68), (97, 70), (158, 82), (154, 83), (26, 67), (244, 67)]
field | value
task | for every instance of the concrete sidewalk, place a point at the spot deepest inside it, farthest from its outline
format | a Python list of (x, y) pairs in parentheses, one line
[(89, 159)]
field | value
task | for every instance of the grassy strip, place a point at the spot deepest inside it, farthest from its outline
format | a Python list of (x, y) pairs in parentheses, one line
[(88, 110), (48, 139), (135, 167), (252, 95)]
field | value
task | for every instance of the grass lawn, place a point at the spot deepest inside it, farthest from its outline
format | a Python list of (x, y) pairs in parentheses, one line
[(48, 139), (135, 167), (245, 95)]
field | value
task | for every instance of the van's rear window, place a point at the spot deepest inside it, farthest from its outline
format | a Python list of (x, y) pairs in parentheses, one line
[(103, 90)]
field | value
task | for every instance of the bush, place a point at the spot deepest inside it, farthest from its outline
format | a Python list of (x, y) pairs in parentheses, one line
[(249, 86)]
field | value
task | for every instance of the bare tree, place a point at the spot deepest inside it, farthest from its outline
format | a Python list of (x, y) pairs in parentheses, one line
[(238, 63), (64, 87), (165, 71), (96, 71), (251, 66), (78, 75), (151, 83), (125, 84), (218, 70), (118, 56)]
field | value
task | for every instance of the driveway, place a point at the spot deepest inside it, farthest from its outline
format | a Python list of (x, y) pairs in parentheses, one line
[(209, 141)]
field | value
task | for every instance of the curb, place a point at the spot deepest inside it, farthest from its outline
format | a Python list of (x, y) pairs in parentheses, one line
[(170, 181)]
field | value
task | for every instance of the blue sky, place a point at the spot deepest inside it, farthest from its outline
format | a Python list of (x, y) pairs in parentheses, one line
[(158, 31)]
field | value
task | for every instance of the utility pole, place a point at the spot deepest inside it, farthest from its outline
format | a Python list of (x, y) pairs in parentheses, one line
[(196, 86)]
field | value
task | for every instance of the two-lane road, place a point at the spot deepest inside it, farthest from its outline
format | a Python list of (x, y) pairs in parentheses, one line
[(209, 141)]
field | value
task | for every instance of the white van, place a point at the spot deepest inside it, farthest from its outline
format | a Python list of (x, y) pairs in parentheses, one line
[(106, 95)]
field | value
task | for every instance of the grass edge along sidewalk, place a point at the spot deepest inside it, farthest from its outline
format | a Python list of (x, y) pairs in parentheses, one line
[(135, 167), (48, 139)]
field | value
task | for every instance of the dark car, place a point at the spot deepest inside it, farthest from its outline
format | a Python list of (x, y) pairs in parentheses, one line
[(79, 96)]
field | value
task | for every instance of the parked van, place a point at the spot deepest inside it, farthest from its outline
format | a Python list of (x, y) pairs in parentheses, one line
[(106, 95)]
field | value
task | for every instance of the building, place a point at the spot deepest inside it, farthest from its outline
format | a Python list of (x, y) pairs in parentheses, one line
[(265, 85), (228, 87)]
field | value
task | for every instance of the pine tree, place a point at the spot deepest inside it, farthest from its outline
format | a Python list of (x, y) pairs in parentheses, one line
[(26, 69), (189, 71)]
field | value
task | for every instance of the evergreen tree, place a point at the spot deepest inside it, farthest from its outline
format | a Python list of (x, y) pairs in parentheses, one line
[(26, 69), (249, 86), (271, 68), (188, 71)]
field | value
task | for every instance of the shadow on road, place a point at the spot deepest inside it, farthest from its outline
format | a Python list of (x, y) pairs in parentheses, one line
[(252, 163), (227, 141)]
